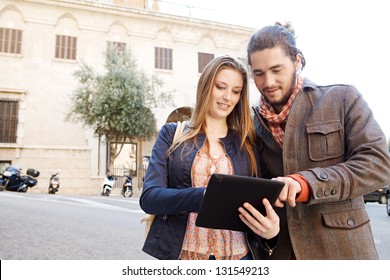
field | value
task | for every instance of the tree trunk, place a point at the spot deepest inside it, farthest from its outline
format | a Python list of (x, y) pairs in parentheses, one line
[(98, 159)]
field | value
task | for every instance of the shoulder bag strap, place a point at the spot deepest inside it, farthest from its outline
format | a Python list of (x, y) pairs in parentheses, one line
[(179, 130)]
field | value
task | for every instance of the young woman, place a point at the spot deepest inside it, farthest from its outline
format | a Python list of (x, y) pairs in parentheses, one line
[(218, 139)]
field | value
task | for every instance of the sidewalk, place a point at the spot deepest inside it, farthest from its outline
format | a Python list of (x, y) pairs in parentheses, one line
[(115, 192)]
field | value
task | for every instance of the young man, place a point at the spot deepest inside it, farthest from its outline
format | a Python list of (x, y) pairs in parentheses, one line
[(324, 143)]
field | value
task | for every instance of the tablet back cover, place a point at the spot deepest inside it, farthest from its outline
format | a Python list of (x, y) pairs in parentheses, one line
[(226, 193)]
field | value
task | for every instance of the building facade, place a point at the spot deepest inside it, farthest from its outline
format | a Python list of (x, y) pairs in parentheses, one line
[(42, 43)]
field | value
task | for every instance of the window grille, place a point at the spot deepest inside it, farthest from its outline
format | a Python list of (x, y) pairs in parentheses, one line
[(9, 109), (10, 40), (121, 47), (163, 58), (66, 47), (203, 59)]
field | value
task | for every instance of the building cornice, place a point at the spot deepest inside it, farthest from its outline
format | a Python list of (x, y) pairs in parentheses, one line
[(147, 14)]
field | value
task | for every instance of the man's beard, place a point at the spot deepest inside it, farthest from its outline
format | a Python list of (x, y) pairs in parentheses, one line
[(290, 91)]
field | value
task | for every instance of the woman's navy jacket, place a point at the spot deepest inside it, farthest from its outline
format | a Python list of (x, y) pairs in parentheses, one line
[(168, 190)]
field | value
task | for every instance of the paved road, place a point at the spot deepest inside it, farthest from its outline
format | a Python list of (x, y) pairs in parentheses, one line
[(35, 226), (380, 224), (43, 227)]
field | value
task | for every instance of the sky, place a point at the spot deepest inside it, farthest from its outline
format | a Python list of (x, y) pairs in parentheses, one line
[(343, 41)]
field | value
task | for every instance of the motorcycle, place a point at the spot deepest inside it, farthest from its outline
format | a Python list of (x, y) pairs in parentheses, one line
[(54, 183), (13, 179), (127, 188), (108, 184)]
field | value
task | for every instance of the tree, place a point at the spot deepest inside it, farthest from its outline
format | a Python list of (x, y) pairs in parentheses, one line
[(117, 104)]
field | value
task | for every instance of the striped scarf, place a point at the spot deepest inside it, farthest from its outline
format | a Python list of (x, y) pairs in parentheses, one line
[(276, 120)]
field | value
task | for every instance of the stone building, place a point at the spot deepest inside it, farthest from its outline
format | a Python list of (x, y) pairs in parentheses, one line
[(42, 43)]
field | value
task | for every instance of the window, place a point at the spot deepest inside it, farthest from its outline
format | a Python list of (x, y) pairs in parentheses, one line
[(244, 62), (163, 58), (121, 47), (10, 40), (203, 59), (66, 47), (8, 120)]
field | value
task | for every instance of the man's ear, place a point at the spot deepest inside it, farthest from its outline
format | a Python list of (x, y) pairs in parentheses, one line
[(298, 62)]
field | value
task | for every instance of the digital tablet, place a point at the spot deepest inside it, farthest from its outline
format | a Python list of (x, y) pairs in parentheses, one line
[(226, 193)]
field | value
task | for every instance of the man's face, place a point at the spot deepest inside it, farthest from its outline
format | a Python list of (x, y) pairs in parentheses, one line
[(275, 75)]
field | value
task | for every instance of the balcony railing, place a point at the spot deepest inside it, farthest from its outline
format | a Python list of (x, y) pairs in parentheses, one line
[(162, 6)]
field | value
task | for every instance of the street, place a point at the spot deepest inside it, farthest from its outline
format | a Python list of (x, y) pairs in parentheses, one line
[(59, 227), (380, 224)]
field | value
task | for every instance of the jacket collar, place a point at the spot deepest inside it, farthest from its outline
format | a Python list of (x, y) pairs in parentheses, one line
[(230, 136), (308, 85)]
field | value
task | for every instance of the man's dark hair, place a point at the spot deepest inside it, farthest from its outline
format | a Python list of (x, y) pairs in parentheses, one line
[(268, 37)]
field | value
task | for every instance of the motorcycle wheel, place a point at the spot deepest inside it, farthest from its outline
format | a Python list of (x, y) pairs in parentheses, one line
[(51, 190), (128, 193), (24, 189)]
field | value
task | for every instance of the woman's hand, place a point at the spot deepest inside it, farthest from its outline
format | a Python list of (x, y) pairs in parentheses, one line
[(265, 226)]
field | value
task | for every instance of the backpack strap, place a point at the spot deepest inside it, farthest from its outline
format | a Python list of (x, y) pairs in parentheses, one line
[(179, 130)]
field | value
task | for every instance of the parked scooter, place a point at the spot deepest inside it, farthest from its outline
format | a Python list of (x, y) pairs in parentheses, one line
[(127, 188), (54, 182), (108, 184), (13, 180)]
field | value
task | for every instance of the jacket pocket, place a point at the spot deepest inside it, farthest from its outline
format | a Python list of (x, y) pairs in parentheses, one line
[(325, 140), (346, 219)]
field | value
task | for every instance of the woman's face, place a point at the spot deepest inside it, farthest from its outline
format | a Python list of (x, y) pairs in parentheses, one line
[(226, 93)]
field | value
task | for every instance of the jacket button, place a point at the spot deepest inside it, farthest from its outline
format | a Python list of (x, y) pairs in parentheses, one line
[(327, 192), (351, 222), (333, 192), (319, 194), (323, 176), (165, 218)]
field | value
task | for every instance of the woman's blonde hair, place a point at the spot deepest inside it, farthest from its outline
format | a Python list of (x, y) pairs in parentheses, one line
[(239, 119)]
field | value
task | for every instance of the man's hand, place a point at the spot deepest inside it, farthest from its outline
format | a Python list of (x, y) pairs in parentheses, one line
[(289, 193), (264, 226)]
